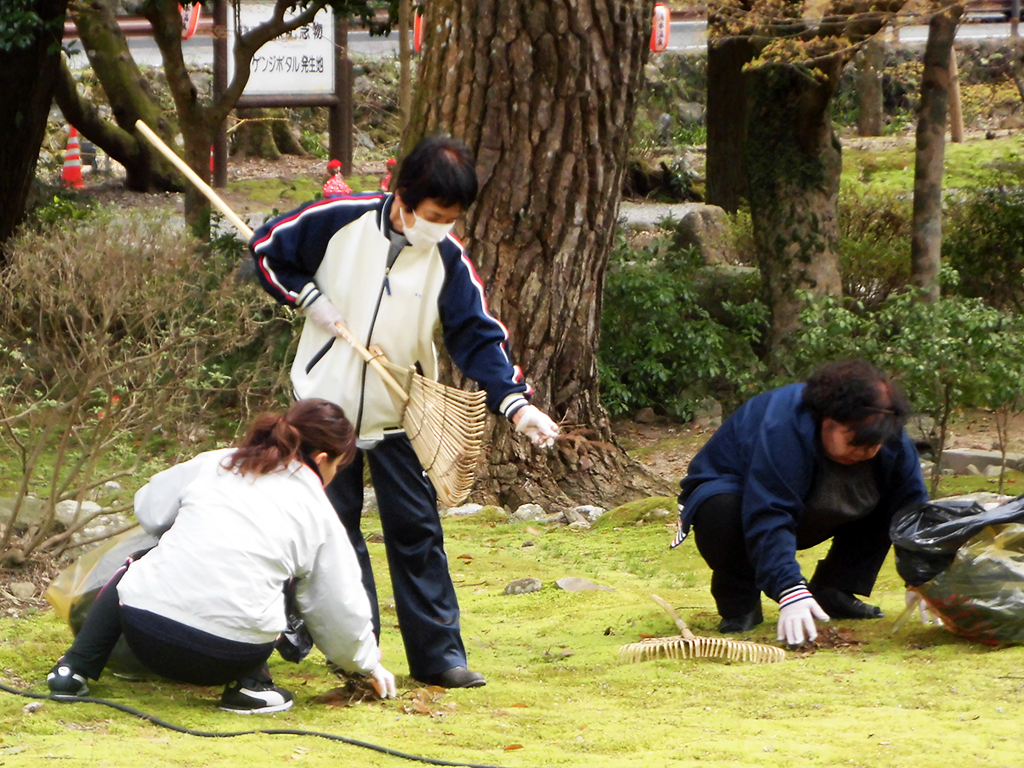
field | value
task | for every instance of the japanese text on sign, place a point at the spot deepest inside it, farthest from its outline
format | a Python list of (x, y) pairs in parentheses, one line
[(299, 62)]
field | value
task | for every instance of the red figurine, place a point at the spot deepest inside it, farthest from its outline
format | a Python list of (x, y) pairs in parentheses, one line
[(335, 185), (386, 181)]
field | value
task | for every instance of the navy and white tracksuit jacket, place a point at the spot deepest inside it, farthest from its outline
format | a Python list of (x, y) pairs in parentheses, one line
[(339, 247), (765, 453)]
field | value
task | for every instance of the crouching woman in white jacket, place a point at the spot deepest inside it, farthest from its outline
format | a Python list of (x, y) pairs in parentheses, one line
[(206, 605)]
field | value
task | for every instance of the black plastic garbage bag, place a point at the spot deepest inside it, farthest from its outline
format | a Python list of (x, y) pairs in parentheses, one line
[(926, 536), (980, 596), (295, 643)]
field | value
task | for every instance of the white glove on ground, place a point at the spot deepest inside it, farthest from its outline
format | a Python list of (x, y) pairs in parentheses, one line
[(797, 613), (536, 425), (324, 314), (927, 617), (383, 682)]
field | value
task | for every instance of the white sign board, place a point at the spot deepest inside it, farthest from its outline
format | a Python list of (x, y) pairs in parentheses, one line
[(299, 62)]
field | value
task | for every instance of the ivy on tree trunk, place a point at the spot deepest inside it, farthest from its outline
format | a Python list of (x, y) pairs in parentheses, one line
[(793, 165)]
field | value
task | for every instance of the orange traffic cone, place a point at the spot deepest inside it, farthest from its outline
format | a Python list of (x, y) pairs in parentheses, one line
[(71, 176)]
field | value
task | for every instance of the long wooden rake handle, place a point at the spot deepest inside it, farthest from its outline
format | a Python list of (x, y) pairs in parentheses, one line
[(374, 360), (192, 176)]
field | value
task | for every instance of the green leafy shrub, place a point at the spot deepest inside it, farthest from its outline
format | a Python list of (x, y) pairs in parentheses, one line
[(874, 244), (985, 245), (948, 354), (313, 143), (62, 207), (659, 347)]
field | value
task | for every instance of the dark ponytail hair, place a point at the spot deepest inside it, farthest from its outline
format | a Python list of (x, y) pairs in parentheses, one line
[(308, 427)]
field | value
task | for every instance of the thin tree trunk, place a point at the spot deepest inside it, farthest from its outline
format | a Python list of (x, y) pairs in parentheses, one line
[(726, 171), (870, 63), (129, 95), (926, 238), (793, 165), (544, 93), (956, 113), (405, 12)]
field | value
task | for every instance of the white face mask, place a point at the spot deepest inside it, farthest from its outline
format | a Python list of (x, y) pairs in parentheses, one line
[(424, 234)]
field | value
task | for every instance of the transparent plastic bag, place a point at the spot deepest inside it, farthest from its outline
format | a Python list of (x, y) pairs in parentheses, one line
[(980, 596), (73, 591)]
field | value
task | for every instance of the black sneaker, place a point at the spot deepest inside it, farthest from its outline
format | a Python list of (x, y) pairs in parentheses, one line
[(252, 696), (62, 680)]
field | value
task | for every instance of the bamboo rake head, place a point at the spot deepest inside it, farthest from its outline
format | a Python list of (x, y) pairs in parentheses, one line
[(701, 648), (446, 428), (690, 646)]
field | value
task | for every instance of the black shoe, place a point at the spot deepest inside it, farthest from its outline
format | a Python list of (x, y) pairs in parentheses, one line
[(742, 623), (456, 677), (255, 695), (62, 680), (843, 605)]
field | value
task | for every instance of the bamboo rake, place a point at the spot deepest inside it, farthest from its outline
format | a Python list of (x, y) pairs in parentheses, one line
[(444, 424), (690, 646)]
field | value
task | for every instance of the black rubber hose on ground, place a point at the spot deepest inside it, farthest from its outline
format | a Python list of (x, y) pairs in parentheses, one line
[(222, 734)]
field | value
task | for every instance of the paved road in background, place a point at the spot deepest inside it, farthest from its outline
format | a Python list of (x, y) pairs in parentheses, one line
[(684, 36)]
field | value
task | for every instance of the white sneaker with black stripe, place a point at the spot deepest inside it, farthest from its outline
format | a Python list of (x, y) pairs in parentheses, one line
[(255, 695)]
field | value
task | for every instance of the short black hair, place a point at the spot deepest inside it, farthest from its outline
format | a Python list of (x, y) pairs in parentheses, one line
[(854, 393), (441, 168)]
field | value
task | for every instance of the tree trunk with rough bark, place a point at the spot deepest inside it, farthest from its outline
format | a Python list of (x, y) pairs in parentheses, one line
[(926, 238), (870, 63), (726, 172), (405, 14), (27, 104), (544, 94), (793, 165)]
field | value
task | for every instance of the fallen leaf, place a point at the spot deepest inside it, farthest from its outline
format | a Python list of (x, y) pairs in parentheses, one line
[(464, 557), (511, 747), (533, 531), (523, 706)]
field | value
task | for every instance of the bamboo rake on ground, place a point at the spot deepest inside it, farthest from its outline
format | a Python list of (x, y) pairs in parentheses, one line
[(444, 424), (690, 646)]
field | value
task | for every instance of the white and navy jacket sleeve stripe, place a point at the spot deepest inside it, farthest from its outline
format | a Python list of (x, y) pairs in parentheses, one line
[(288, 250), (476, 340)]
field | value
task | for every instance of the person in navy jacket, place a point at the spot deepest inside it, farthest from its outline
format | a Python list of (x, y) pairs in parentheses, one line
[(791, 468), (387, 267)]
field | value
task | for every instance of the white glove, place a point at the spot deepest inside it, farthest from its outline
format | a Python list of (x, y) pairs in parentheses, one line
[(927, 617), (536, 425), (383, 682), (796, 618), (324, 314)]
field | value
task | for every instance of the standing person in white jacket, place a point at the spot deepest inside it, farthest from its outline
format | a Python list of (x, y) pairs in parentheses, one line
[(387, 267), (206, 605)]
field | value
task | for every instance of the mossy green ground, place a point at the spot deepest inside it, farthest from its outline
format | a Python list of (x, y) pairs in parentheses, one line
[(889, 168), (285, 194), (556, 686)]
